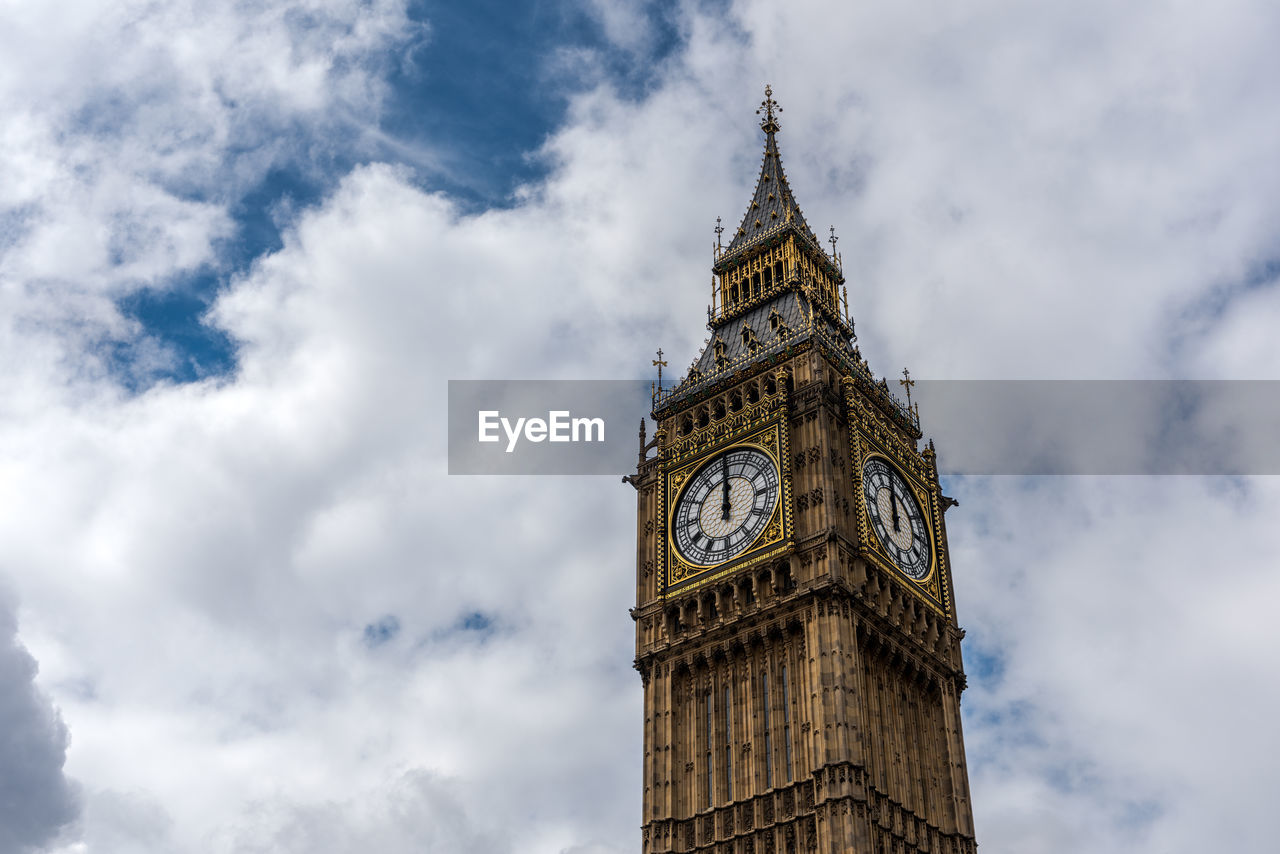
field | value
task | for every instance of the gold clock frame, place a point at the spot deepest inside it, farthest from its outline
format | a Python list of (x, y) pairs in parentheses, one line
[(873, 436), (920, 495), (680, 575)]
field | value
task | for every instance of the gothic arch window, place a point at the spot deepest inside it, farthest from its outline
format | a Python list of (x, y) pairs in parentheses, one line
[(786, 720), (710, 737), (728, 740), (768, 734)]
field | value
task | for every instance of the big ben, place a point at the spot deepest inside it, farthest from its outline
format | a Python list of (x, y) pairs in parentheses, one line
[(795, 624)]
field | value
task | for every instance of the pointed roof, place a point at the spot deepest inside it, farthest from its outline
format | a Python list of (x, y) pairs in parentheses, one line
[(773, 205)]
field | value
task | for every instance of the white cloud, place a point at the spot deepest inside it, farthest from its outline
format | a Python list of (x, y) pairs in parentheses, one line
[(132, 128), (1128, 616)]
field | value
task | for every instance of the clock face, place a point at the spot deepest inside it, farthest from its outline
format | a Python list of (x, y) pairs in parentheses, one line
[(896, 517), (725, 506)]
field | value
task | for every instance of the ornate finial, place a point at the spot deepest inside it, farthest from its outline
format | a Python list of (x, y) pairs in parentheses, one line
[(832, 241), (660, 364), (719, 231), (906, 382), (768, 106)]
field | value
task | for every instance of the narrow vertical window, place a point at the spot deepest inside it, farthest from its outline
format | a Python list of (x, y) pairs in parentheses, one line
[(710, 741), (728, 743), (768, 735), (786, 719)]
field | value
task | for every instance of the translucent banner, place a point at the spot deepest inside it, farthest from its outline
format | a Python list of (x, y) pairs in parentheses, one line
[(980, 427)]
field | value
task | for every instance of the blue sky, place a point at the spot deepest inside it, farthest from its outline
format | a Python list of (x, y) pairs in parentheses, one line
[(472, 93), (244, 247)]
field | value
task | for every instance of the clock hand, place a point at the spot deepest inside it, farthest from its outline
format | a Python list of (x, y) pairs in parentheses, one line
[(724, 479), (893, 485)]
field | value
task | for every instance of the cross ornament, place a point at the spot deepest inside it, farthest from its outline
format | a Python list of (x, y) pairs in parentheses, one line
[(906, 382), (660, 364)]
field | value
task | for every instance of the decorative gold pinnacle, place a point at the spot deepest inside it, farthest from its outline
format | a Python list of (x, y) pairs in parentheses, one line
[(768, 106), (906, 382)]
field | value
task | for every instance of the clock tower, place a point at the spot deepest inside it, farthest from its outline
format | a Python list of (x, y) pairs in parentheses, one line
[(795, 624)]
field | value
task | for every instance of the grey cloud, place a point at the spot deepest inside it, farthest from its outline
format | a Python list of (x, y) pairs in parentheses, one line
[(36, 798), (418, 812)]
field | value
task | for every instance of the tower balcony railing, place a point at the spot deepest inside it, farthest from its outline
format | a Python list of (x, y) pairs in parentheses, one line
[(792, 281), (695, 381), (859, 368)]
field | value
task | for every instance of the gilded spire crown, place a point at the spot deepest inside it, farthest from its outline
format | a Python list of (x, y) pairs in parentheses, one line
[(773, 207), (768, 106)]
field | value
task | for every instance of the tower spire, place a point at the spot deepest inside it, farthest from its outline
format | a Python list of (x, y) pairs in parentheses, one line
[(774, 205), (774, 285)]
